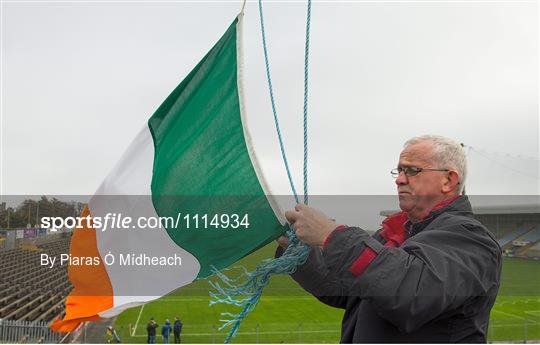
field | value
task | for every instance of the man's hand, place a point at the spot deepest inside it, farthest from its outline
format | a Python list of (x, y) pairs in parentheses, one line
[(283, 241), (311, 226)]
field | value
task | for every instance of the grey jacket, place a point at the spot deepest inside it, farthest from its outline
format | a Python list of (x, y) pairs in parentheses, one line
[(434, 281)]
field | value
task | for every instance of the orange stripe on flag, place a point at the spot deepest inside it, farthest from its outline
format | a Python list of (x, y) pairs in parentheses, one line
[(92, 290)]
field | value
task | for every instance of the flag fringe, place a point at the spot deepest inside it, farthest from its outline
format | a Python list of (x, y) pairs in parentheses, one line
[(252, 284)]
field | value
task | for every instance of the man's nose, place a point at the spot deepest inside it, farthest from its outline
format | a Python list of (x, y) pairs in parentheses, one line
[(401, 179)]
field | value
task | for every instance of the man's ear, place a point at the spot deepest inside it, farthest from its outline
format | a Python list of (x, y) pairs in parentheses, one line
[(451, 182)]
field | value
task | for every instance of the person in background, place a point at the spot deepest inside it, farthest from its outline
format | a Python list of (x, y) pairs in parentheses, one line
[(177, 329), (151, 330), (112, 336), (166, 331)]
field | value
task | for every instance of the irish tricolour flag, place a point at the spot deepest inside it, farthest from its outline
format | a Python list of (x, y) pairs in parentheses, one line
[(193, 158)]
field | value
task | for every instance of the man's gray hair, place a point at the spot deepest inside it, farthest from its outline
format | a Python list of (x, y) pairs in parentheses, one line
[(447, 153)]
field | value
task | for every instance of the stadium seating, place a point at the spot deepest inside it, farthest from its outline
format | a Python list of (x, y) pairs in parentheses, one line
[(532, 236), (28, 290), (515, 234), (533, 251)]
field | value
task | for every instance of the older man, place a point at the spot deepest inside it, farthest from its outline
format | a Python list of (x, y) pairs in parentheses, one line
[(431, 274)]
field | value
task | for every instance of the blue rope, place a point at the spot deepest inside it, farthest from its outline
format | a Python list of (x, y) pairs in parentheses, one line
[(253, 283), (273, 103), (306, 65)]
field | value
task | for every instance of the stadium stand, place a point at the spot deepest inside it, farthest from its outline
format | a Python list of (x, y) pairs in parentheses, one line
[(532, 236), (536, 247), (533, 249), (508, 238), (28, 290)]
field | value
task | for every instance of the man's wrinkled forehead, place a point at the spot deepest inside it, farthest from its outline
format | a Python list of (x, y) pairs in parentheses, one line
[(417, 154)]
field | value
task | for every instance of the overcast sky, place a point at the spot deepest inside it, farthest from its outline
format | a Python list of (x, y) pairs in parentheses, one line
[(79, 80)]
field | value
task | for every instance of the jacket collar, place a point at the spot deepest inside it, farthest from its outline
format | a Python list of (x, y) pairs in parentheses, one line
[(457, 204), (397, 227)]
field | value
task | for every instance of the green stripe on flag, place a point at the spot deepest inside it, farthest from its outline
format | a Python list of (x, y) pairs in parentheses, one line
[(201, 155)]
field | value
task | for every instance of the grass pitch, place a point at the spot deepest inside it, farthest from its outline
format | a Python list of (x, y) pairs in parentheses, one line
[(287, 314)]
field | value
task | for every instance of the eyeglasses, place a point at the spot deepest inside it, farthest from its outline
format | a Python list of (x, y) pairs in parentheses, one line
[(411, 171)]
